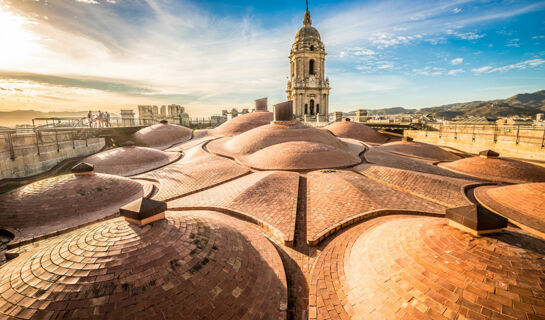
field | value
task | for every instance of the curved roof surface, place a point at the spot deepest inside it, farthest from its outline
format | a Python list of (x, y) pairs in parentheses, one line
[(186, 266), (421, 268), (292, 146), (162, 136), (297, 155), (497, 169), (307, 33), (128, 161), (523, 204), (418, 149), (243, 123), (51, 205), (358, 131)]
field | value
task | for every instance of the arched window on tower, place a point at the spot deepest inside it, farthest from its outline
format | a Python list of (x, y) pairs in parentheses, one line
[(311, 67), (311, 107), (317, 108), (306, 108), (311, 48)]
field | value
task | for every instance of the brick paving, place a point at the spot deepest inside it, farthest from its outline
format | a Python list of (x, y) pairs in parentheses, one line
[(358, 131), (194, 265), (184, 146), (398, 267), (522, 204), (270, 198), (446, 191), (337, 247), (497, 169), (288, 146), (162, 136), (128, 161), (243, 123), (339, 197), (418, 149), (196, 171), (54, 205), (387, 159)]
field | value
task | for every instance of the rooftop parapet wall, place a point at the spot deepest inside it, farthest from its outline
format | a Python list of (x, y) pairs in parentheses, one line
[(509, 141), (25, 158)]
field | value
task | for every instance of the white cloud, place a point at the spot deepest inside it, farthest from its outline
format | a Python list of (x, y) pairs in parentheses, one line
[(456, 61), (516, 66), (481, 69), (513, 43), (385, 40), (466, 35), (456, 10), (430, 71), (454, 72), (87, 1), (364, 52), (538, 37)]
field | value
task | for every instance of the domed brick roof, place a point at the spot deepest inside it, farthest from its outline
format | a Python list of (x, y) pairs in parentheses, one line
[(418, 149), (297, 155), (497, 169), (187, 266), (243, 123), (522, 204), (162, 135), (402, 267), (55, 204), (358, 131), (128, 161), (289, 145)]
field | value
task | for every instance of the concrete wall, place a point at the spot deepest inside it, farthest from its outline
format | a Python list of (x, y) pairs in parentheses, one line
[(509, 141), (28, 162)]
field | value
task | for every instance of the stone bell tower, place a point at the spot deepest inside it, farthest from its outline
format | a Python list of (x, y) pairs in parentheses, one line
[(308, 87)]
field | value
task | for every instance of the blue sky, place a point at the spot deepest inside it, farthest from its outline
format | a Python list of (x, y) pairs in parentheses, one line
[(210, 55)]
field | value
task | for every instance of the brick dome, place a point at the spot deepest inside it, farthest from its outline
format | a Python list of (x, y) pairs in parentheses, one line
[(128, 161), (162, 135), (187, 266), (497, 169), (358, 131), (290, 145), (402, 267), (522, 204), (418, 149), (298, 155), (55, 204), (243, 123)]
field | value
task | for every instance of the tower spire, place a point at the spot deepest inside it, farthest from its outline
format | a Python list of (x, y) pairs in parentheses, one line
[(307, 21)]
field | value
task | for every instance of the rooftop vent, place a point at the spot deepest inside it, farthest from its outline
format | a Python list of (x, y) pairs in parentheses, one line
[(475, 220), (261, 104), (143, 211), (163, 121), (283, 111), (486, 154), (406, 139), (347, 119), (83, 168)]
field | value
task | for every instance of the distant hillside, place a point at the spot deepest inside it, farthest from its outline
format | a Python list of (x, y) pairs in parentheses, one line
[(11, 118), (523, 105)]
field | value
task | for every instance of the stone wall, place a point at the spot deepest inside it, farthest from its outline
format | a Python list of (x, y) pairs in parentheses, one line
[(23, 158), (509, 141)]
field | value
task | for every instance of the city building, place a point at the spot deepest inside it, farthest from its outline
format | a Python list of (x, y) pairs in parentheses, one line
[(308, 86)]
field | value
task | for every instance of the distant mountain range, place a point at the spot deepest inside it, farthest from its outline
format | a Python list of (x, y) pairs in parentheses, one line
[(522, 105)]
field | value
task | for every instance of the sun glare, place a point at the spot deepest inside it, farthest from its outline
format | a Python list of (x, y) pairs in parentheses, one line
[(17, 42)]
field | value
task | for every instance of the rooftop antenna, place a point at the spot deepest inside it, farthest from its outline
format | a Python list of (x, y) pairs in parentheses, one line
[(307, 4)]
